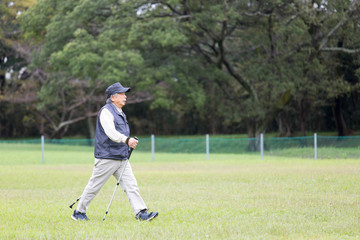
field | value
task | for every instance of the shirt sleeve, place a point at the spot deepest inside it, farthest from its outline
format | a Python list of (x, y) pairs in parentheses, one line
[(107, 122)]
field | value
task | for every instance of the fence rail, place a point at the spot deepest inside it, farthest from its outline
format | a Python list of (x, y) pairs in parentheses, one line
[(303, 147)]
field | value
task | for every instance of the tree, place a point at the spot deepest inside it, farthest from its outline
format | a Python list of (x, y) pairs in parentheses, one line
[(79, 48), (17, 91), (328, 25), (84, 47), (212, 64)]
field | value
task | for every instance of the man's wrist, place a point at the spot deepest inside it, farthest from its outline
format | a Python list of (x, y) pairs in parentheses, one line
[(127, 141)]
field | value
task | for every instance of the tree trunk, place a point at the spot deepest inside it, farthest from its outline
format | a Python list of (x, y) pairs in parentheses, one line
[(339, 118), (253, 132), (302, 118), (301, 114), (91, 128), (284, 126)]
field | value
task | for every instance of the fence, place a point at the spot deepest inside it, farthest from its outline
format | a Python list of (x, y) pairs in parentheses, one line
[(314, 147), (303, 147)]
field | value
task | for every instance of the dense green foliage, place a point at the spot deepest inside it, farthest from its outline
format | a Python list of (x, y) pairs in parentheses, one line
[(194, 66)]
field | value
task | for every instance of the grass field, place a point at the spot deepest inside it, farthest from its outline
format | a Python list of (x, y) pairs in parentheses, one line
[(227, 197)]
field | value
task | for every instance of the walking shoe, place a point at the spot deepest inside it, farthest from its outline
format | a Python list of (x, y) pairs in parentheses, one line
[(78, 216), (143, 215)]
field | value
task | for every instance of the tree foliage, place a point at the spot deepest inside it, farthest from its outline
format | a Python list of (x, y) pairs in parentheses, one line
[(198, 66)]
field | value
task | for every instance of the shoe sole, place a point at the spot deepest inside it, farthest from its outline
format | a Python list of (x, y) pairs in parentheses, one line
[(77, 219), (151, 218)]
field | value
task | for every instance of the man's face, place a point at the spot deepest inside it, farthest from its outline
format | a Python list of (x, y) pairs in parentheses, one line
[(119, 99)]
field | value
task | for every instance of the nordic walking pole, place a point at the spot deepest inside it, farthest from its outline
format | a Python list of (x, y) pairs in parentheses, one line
[(74, 202), (80, 196), (118, 182)]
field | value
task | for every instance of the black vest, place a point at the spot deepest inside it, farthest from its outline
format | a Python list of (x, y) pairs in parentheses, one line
[(104, 146)]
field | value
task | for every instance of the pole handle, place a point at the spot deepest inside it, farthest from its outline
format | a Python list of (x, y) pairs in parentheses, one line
[(131, 149)]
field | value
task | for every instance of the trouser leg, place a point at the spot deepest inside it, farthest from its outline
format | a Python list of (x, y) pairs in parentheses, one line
[(102, 171), (129, 185)]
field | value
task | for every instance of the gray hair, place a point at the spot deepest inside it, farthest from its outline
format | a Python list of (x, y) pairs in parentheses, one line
[(109, 98)]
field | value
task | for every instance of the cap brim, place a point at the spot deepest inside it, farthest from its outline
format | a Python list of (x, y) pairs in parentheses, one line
[(124, 90)]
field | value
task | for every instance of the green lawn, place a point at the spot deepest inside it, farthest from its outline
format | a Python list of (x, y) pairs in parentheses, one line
[(227, 197)]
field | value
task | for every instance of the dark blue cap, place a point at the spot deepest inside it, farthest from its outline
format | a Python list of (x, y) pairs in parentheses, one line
[(116, 88)]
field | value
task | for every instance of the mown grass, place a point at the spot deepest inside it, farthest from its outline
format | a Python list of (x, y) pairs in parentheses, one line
[(227, 197), (322, 153)]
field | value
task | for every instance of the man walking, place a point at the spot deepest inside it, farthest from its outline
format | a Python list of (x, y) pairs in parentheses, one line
[(112, 142)]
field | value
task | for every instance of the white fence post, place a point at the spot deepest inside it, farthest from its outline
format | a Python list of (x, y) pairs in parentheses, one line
[(42, 149), (315, 146), (207, 147), (262, 145), (153, 147)]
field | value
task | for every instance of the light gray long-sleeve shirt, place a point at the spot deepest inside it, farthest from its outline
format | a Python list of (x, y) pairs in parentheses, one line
[(107, 122)]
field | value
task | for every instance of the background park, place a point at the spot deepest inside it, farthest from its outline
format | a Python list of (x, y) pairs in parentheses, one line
[(248, 115)]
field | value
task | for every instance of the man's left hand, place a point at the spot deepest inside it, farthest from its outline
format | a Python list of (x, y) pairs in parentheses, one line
[(133, 143)]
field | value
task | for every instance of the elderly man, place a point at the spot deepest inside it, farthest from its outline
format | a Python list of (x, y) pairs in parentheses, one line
[(112, 144)]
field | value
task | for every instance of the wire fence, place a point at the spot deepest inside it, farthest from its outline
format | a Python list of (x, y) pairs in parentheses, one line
[(311, 147)]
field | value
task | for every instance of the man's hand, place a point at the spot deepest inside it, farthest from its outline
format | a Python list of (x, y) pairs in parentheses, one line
[(133, 143)]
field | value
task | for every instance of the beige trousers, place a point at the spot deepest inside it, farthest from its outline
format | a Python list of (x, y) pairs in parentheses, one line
[(103, 169)]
